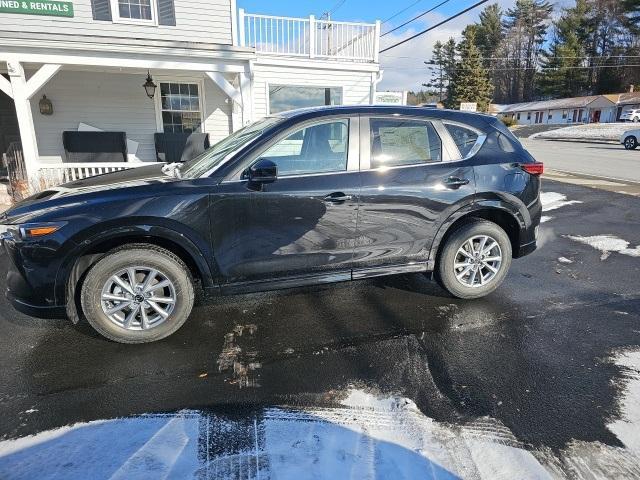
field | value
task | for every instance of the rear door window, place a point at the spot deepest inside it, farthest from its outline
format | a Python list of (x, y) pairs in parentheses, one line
[(464, 138), (396, 142)]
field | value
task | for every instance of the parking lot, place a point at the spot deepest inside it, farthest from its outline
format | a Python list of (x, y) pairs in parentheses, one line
[(387, 378)]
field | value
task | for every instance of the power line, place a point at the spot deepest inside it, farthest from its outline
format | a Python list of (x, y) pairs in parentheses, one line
[(328, 13), (415, 18), (526, 68), (435, 26), (401, 11), (597, 57)]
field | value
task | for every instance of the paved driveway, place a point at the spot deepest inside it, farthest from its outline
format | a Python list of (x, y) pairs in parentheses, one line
[(388, 378)]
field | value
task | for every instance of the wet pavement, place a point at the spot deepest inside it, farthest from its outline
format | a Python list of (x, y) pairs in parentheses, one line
[(534, 357)]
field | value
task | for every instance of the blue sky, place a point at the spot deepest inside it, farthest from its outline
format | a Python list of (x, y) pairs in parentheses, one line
[(350, 10), (403, 67)]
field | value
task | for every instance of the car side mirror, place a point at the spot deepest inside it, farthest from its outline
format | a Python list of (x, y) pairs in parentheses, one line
[(263, 171)]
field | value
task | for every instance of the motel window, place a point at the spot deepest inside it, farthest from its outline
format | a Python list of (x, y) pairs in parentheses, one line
[(550, 116), (133, 10), (564, 114), (290, 97), (528, 115), (180, 104), (519, 116)]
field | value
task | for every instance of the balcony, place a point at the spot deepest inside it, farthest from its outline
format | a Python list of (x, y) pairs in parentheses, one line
[(309, 37)]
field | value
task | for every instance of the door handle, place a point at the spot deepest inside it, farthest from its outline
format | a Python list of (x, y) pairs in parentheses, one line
[(455, 182), (337, 197)]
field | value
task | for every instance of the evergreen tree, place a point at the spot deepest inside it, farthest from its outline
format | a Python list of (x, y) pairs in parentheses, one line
[(489, 33), (526, 23), (470, 81), (563, 64), (443, 62)]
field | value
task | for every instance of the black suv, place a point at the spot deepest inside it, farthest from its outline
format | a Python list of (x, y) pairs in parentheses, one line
[(305, 197)]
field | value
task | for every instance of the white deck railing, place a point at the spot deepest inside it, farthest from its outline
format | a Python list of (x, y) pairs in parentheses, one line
[(308, 37), (57, 173)]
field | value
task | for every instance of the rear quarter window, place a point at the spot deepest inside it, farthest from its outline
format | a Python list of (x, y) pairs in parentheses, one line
[(464, 138)]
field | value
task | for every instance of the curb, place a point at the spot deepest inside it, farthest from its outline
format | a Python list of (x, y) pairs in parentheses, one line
[(576, 140)]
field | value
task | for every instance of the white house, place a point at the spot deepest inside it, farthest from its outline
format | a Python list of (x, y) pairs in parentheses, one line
[(596, 108), (81, 65), (590, 109)]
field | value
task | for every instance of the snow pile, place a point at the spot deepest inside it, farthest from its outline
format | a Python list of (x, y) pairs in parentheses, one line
[(553, 200), (607, 244), (370, 436), (593, 131)]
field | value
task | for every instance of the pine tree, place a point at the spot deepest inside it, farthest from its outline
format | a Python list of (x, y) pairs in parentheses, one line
[(489, 32), (526, 24), (470, 82), (443, 62), (563, 64)]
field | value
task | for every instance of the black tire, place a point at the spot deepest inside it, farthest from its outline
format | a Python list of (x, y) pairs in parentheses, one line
[(165, 262), (630, 143), (635, 119), (445, 269)]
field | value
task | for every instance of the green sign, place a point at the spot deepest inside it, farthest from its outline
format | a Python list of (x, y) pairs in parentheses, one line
[(39, 7)]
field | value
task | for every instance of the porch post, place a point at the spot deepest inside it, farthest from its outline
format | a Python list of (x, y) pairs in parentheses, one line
[(247, 100), (25, 119), (234, 95)]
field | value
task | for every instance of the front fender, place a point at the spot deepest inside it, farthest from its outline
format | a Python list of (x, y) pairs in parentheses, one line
[(80, 244)]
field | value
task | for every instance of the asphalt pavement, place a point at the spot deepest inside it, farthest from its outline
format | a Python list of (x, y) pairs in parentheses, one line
[(534, 367), (608, 161)]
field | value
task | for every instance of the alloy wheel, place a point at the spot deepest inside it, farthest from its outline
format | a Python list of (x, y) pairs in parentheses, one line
[(138, 298), (477, 261), (630, 143)]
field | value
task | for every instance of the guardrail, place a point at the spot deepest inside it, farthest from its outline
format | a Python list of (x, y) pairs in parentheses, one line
[(308, 37)]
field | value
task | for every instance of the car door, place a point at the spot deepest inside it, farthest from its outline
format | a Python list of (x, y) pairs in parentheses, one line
[(413, 175), (303, 223)]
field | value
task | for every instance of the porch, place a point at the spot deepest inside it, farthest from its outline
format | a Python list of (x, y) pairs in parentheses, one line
[(211, 89)]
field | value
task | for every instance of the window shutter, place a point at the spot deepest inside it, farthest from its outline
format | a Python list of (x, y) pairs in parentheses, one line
[(101, 10), (166, 12)]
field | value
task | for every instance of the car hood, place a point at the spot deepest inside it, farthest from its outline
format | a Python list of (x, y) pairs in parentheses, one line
[(62, 194)]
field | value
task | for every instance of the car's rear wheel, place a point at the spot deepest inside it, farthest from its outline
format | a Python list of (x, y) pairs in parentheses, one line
[(138, 294), (630, 143), (474, 260)]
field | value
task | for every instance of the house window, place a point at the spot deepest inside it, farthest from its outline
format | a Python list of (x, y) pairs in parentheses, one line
[(519, 116), (564, 114), (290, 97), (134, 11), (180, 105), (550, 116), (528, 115)]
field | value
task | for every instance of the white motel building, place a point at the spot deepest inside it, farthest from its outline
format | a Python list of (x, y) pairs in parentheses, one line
[(89, 86)]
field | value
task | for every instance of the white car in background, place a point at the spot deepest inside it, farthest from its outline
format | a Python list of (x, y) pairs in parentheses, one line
[(631, 115), (630, 139)]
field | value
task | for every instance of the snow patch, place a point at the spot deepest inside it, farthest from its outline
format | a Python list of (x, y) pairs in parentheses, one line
[(627, 428), (554, 200), (564, 260), (607, 244), (545, 218)]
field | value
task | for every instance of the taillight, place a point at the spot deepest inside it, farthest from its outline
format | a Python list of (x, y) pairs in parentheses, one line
[(533, 168)]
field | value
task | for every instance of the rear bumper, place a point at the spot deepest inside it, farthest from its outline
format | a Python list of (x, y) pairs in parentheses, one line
[(39, 311)]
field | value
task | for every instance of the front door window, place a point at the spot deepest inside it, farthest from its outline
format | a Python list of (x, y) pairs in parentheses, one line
[(319, 148)]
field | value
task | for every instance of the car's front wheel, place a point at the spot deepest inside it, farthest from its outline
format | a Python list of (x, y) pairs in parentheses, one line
[(137, 294), (474, 260), (630, 143)]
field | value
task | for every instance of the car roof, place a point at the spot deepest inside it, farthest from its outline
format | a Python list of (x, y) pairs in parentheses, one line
[(478, 120)]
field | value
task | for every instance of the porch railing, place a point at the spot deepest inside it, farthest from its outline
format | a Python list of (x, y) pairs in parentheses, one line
[(57, 173), (308, 37)]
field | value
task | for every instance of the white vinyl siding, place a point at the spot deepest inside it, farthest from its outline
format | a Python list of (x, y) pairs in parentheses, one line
[(204, 21), (356, 86), (113, 102)]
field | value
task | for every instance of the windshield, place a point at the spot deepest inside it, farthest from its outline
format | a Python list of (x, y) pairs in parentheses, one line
[(214, 156)]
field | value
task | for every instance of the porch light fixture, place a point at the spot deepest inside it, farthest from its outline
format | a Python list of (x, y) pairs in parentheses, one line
[(46, 107), (149, 86)]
